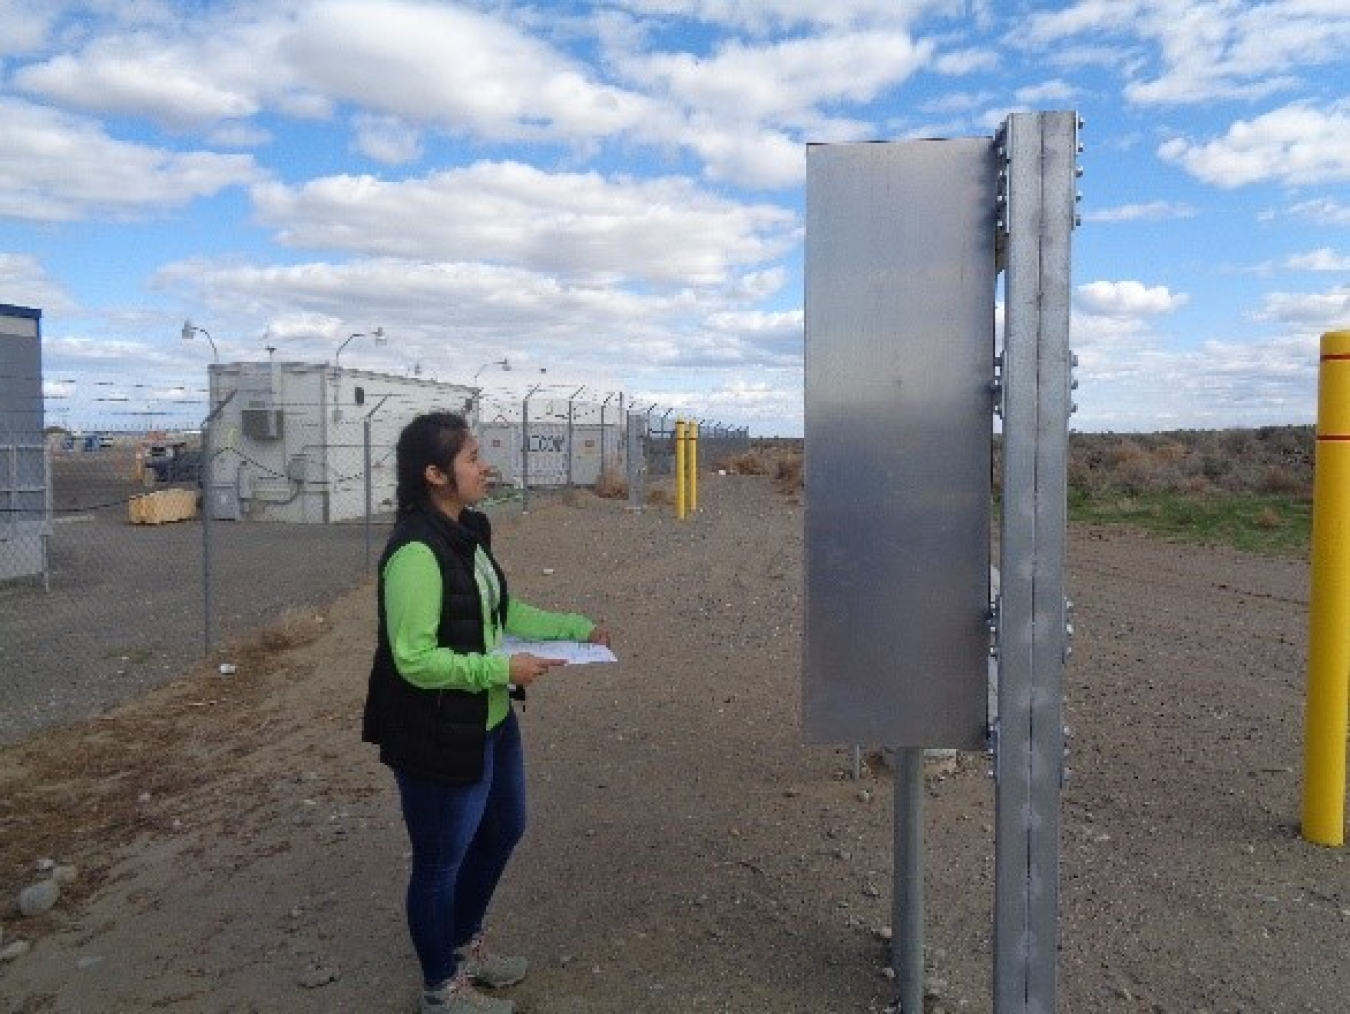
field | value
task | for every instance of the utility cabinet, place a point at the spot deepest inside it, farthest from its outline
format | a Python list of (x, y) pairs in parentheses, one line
[(25, 488)]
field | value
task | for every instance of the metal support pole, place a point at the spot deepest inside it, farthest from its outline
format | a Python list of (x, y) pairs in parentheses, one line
[(208, 575), (525, 454), (370, 495), (1039, 169), (907, 901), (365, 471), (1325, 719), (571, 440)]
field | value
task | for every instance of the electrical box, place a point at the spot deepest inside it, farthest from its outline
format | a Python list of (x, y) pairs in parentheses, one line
[(900, 285)]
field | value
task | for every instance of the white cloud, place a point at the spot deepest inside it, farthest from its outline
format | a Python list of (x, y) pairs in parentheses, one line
[(443, 310), (55, 167), (1312, 311), (754, 158), (1151, 211), (765, 15), (238, 135), (137, 77), (1321, 259), (387, 139), (1324, 210), (1046, 93), (454, 68), (1127, 299), (25, 282), (782, 82), (1132, 378), (573, 225), (1202, 50), (27, 23), (1297, 144), (966, 61)]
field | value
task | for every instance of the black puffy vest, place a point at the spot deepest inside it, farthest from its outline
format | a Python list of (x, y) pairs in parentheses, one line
[(437, 735)]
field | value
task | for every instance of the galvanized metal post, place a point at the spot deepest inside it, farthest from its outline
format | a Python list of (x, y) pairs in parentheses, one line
[(637, 461), (525, 454), (366, 465), (208, 470), (571, 443), (907, 931), (1039, 152)]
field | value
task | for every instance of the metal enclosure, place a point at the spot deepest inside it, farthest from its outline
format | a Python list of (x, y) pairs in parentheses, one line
[(24, 483), (900, 283), (290, 440), (559, 453)]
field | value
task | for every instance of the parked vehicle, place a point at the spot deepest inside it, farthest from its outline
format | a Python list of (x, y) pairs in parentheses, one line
[(174, 462)]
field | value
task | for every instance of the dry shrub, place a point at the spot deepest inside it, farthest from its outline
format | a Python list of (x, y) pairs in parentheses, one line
[(611, 485), (788, 475), (1172, 451), (660, 496), (746, 463), (1269, 519), (1280, 480), (1197, 485)]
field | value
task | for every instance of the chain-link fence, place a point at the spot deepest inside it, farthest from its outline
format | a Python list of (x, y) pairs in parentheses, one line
[(160, 549)]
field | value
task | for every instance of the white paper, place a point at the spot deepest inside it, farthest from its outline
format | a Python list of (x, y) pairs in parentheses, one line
[(572, 652)]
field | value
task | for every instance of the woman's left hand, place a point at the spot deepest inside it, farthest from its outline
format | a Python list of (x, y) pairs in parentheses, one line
[(600, 635)]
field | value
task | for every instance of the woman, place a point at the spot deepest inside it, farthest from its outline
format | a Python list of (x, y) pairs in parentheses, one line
[(439, 707)]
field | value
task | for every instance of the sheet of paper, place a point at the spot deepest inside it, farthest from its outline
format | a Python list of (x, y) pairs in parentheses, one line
[(573, 652)]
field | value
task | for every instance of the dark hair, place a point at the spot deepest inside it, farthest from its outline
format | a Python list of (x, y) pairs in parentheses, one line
[(432, 439)]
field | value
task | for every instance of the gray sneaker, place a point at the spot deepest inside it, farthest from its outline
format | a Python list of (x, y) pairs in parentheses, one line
[(459, 997), (495, 971)]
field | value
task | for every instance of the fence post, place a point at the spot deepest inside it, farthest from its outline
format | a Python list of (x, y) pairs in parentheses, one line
[(370, 507), (637, 462), (208, 469)]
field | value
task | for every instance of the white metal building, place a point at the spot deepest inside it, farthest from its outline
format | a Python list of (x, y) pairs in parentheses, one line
[(289, 439), (559, 453)]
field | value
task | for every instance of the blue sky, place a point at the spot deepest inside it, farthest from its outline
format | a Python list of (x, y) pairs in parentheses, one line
[(613, 192)]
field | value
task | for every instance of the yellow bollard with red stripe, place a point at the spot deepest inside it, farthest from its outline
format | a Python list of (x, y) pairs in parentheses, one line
[(1325, 720), (680, 453)]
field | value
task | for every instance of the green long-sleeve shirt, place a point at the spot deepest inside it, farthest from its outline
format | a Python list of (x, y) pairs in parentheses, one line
[(412, 609)]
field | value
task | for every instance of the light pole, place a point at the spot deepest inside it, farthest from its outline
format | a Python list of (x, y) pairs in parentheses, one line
[(505, 364), (189, 328), (377, 334), (380, 339)]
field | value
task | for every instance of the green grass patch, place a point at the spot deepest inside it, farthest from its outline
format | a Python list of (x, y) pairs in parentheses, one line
[(1278, 525)]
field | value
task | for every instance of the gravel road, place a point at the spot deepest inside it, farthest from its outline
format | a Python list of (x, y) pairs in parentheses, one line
[(240, 850)]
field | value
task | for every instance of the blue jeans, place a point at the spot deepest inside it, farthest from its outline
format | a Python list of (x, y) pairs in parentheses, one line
[(462, 837)]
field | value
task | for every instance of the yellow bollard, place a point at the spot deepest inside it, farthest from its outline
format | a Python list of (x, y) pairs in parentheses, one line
[(1329, 608), (680, 449), (692, 435)]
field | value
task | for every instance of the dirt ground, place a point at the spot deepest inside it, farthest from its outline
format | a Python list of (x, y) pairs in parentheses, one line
[(240, 850)]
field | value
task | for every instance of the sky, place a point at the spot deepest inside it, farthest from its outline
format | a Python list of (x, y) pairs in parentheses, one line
[(611, 195)]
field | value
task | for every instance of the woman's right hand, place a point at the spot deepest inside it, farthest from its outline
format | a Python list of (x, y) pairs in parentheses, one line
[(526, 668)]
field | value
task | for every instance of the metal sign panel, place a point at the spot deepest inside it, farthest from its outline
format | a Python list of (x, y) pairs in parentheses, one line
[(900, 283)]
